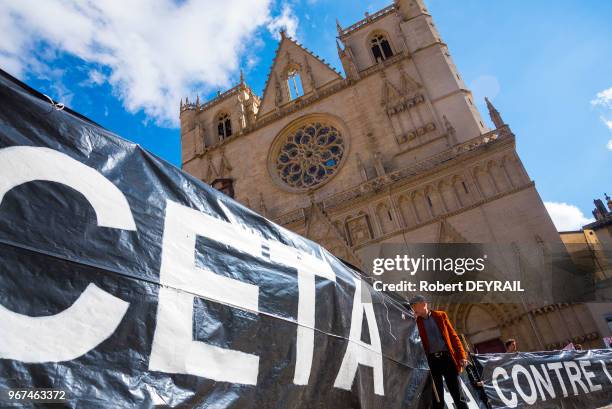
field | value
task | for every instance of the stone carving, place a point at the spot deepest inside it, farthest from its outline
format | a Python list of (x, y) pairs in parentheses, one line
[(450, 131), (361, 168), (422, 130), (359, 229), (408, 84), (310, 76), (403, 104), (310, 155), (414, 170), (262, 205), (278, 96)]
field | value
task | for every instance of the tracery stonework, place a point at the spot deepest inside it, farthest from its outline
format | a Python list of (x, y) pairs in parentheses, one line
[(394, 151), (309, 155)]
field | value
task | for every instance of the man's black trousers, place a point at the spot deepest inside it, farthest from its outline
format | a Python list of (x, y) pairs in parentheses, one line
[(442, 366)]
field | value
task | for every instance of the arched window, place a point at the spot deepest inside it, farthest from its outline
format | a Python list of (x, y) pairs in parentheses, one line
[(381, 49), (224, 126), (294, 83)]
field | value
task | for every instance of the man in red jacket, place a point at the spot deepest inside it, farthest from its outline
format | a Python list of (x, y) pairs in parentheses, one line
[(445, 353)]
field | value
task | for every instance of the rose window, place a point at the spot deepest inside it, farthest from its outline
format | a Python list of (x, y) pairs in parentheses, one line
[(310, 155)]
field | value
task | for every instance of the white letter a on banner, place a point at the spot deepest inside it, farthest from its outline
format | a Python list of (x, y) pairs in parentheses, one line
[(357, 351)]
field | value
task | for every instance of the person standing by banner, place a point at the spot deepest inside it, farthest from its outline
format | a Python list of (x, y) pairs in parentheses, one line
[(445, 353), (511, 346)]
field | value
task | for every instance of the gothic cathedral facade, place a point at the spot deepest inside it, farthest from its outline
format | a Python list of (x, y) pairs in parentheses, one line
[(393, 151)]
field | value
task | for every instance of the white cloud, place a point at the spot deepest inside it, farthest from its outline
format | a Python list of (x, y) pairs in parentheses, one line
[(603, 98), (154, 51), (603, 101), (566, 217), (96, 77), (287, 21)]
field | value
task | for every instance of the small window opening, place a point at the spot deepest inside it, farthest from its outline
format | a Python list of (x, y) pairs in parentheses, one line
[(294, 82), (380, 48), (224, 126)]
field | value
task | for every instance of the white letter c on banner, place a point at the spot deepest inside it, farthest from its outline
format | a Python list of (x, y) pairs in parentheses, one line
[(95, 315), (500, 372)]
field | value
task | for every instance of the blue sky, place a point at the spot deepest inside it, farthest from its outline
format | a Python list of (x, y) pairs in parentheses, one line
[(546, 65)]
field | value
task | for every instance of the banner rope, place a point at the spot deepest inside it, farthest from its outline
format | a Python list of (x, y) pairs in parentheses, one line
[(57, 106)]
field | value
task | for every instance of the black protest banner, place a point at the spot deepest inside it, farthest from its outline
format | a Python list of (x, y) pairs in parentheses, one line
[(127, 283), (548, 379), (472, 393)]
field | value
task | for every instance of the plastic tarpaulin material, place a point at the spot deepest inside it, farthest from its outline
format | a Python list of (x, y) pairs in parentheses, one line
[(128, 283), (474, 395), (554, 379)]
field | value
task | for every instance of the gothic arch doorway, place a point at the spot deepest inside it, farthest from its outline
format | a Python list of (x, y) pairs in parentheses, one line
[(482, 330)]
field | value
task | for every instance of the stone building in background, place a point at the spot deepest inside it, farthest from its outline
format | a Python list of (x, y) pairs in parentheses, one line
[(591, 250), (392, 151)]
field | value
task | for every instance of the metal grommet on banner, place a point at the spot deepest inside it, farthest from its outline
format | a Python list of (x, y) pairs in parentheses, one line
[(55, 106)]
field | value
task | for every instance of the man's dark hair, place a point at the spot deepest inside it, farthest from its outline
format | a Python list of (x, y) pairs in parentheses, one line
[(509, 342)]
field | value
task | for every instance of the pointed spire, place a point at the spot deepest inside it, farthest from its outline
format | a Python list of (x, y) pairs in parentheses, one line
[(181, 102), (495, 115), (340, 50), (450, 130), (338, 27), (198, 102), (600, 211), (283, 33), (361, 168), (186, 100), (379, 167), (241, 77)]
